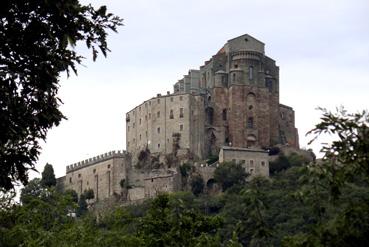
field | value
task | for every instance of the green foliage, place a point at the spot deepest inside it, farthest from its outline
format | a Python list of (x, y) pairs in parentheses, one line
[(89, 194), (48, 177), (167, 225), (197, 185), (345, 160), (145, 160), (229, 174), (72, 195), (280, 164), (32, 190), (82, 206), (36, 45), (212, 159), (284, 162), (184, 169), (6, 199)]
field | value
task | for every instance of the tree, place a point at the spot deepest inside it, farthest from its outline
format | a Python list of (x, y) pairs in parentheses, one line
[(72, 194), (82, 205), (197, 185), (36, 45), (229, 174), (345, 160), (89, 194), (280, 164), (32, 190), (48, 177)]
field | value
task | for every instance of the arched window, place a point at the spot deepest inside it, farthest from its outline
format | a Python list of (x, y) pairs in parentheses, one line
[(251, 73), (251, 101), (171, 114)]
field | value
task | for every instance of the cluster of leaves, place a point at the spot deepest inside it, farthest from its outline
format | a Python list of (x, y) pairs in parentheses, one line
[(229, 174), (36, 45), (284, 162), (197, 185), (212, 159)]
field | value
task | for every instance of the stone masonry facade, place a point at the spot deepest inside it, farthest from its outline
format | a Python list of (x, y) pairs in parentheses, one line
[(232, 100), (228, 107)]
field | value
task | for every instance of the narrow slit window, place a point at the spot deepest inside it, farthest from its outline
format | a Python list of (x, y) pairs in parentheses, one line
[(251, 73)]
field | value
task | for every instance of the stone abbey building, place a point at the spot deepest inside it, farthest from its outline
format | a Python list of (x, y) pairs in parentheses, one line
[(232, 100), (229, 107)]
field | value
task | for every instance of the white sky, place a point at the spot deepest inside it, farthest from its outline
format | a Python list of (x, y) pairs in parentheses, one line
[(321, 47)]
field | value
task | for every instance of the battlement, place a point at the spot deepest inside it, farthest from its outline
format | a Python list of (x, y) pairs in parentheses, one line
[(96, 159)]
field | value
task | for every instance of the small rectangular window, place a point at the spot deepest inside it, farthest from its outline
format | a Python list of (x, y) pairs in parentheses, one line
[(181, 127), (158, 130), (79, 175), (171, 99), (251, 163), (171, 116), (158, 101), (158, 114), (180, 98), (70, 180), (108, 166), (181, 112), (158, 145), (140, 121)]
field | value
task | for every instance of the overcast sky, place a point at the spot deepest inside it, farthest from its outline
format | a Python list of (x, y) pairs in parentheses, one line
[(321, 46)]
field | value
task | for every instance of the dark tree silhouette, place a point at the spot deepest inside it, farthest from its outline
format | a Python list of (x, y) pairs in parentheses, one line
[(48, 176), (36, 44)]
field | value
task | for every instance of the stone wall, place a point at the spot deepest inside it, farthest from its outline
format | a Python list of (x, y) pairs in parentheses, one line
[(102, 174), (155, 185), (288, 132), (234, 101), (255, 162), (153, 123)]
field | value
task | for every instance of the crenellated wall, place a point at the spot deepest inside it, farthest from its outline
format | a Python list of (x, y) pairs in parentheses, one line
[(101, 173)]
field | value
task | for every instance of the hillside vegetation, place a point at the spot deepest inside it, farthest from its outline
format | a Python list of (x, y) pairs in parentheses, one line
[(316, 204)]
